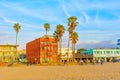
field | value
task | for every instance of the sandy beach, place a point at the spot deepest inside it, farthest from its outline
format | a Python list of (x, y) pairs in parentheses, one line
[(107, 71)]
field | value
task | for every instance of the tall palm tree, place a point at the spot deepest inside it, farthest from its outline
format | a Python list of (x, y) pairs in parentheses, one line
[(47, 27), (74, 38), (72, 23), (17, 29), (60, 29)]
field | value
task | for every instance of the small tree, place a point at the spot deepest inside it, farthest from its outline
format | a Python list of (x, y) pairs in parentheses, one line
[(80, 50)]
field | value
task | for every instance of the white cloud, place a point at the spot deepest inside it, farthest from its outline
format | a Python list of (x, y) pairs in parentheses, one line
[(65, 10), (21, 9), (89, 42), (23, 25), (87, 18), (106, 4), (2, 34), (96, 20), (7, 20), (46, 14), (97, 44), (5, 38), (110, 24)]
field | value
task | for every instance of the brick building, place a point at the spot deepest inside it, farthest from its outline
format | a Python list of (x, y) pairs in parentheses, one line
[(42, 50), (8, 53)]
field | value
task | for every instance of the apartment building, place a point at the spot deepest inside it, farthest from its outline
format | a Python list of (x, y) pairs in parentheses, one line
[(42, 50), (8, 53)]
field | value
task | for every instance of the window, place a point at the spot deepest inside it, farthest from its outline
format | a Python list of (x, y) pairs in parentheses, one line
[(94, 52), (104, 52), (117, 52), (111, 52), (114, 52), (43, 48), (98, 52), (108, 52)]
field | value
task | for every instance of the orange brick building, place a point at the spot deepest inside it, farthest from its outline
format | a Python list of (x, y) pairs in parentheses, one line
[(42, 50)]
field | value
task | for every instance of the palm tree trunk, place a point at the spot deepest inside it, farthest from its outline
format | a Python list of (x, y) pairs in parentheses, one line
[(16, 37), (16, 44), (60, 47), (57, 51), (68, 46), (46, 32), (74, 52)]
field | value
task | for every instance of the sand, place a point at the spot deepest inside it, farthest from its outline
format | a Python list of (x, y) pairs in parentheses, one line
[(107, 71)]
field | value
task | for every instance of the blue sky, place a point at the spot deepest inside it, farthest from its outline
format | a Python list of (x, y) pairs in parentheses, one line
[(99, 20)]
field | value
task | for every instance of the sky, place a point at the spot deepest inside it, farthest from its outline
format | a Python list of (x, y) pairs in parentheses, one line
[(99, 21)]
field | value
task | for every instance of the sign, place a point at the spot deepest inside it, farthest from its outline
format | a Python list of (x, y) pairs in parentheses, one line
[(118, 42)]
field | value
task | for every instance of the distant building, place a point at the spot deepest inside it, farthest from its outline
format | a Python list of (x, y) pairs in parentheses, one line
[(22, 56), (90, 52), (80, 56), (42, 50), (23, 51), (66, 54), (8, 53), (106, 54)]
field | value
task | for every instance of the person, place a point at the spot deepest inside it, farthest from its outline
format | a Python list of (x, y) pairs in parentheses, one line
[(10, 64), (65, 61), (81, 62), (101, 61), (94, 61)]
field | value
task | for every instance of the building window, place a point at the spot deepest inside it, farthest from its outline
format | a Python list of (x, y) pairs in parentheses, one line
[(108, 52), (117, 52), (43, 48), (111, 52), (98, 52), (104, 52), (94, 52)]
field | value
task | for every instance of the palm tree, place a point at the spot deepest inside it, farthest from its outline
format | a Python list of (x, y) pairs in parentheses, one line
[(60, 29), (72, 24), (16, 28), (47, 27), (74, 38)]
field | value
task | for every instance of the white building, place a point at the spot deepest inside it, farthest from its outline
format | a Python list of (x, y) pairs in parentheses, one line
[(66, 54), (106, 54)]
